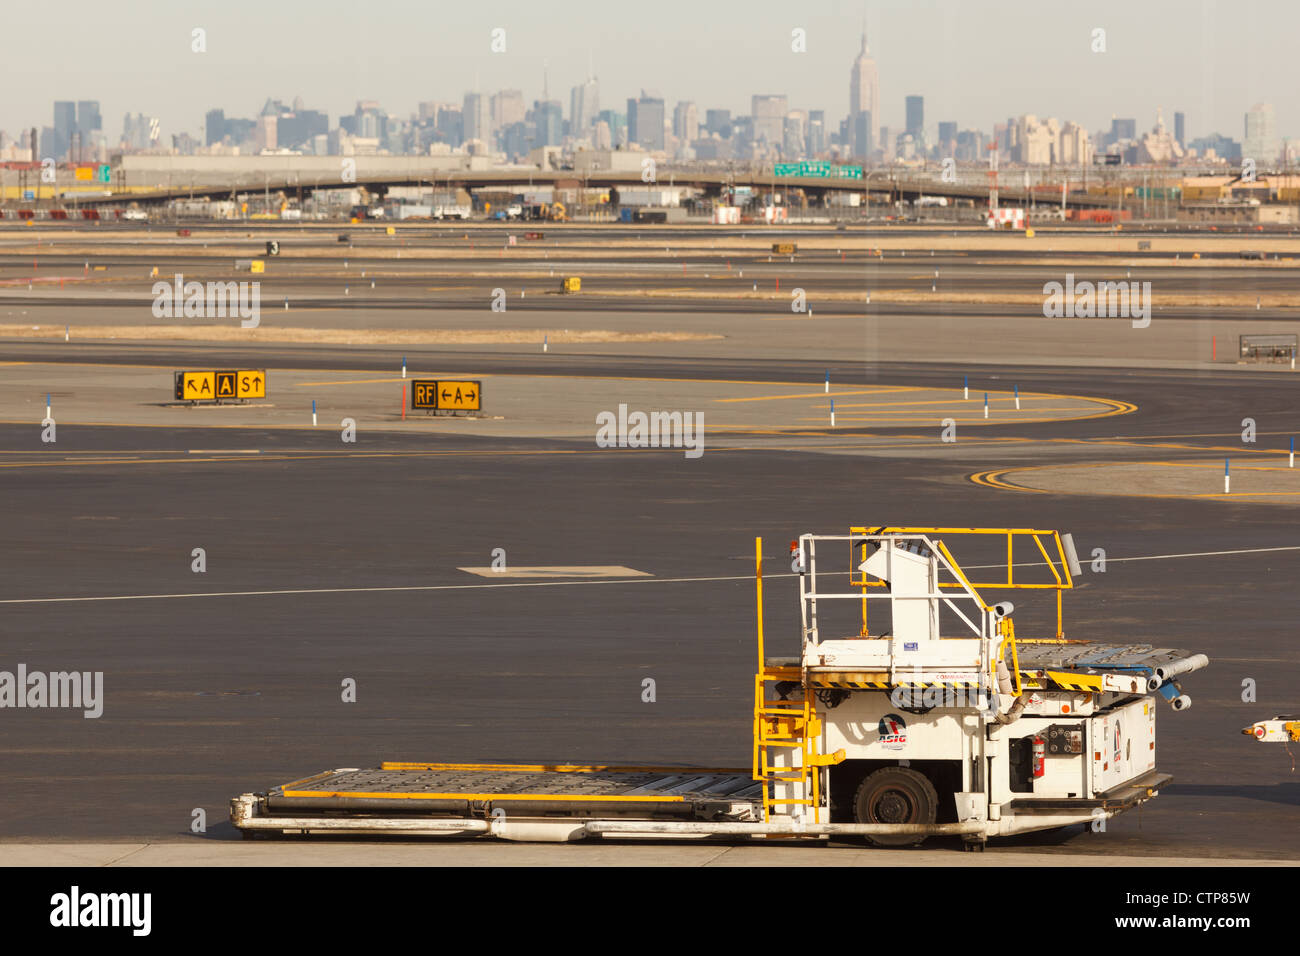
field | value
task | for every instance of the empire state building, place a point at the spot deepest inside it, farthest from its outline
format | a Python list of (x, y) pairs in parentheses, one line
[(864, 95)]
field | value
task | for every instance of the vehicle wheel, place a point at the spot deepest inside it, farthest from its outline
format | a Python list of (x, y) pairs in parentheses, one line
[(896, 795)]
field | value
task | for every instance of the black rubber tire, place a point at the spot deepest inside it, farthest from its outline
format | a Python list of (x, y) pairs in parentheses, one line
[(896, 795)]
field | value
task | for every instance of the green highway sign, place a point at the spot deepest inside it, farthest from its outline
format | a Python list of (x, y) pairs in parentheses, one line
[(786, 169)]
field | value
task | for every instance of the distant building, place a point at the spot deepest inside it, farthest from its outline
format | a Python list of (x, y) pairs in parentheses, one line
[(548, 115), (947, 138), (794, 143), (239, 130), (88, 118), (265, 136), (817, 140), (476, 118), (1261, 142), (370, 121), (970, 146), (864, 92), (507, 106), (645, 121), (450, 126), (686, 121), (1075, 145), (1122, 130), (1216, 146), (1179, 129), (214, 128), (718, 122), (518, 139), (298, 128), (1036, 141), (769, 118), (617, 123), (863, 136), (584, 104), (65, 126), (1159, 145), (136, 130), (915, 116)]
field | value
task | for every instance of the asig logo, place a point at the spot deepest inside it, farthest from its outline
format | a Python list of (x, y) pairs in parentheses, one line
[(216, 300), (1101, 300), (655, 430)]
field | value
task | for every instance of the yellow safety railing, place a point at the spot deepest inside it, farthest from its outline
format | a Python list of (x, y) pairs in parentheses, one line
[(1061, 578)]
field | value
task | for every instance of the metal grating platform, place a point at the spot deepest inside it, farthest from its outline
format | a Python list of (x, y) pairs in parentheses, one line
[(422, 788)]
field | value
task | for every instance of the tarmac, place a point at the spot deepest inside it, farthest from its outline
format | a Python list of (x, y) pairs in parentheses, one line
[(327, 560)]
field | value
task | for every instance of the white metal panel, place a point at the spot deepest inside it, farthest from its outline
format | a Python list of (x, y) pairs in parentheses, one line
[(867, 726), (1122, 744)]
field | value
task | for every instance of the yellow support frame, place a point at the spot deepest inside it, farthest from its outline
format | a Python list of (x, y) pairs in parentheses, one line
[(785, 724)]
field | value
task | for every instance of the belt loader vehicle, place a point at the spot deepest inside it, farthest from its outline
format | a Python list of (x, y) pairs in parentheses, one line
[(927, 716)]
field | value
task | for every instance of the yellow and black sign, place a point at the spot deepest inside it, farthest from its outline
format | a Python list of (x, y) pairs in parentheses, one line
[(213, 386), (251, 384), (447, 396), (196, 386), (784, 248)]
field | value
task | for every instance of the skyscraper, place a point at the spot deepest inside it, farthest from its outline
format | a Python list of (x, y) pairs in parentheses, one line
[(584, 104), (794, 144), (88, 119), (548, 115), (476, 118), (1260, 142), (214, 127), (507, 108), (1179, 124), (864, 90), (616, 123), (645, 121), (816, 132), (769, 118), (65, 124), (864, 139), (686, 122), (915, 116), (947, 137)]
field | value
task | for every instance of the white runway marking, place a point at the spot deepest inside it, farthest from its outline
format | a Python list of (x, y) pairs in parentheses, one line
[(379, 590), (585, 571), (553, 584)]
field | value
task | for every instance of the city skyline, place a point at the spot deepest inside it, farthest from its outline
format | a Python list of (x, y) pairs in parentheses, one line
[(1211, 64)]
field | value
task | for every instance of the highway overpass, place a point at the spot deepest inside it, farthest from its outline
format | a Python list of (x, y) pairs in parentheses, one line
[(303, 175)]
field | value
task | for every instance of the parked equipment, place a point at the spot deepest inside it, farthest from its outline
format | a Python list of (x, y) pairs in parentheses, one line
[(927, 716)]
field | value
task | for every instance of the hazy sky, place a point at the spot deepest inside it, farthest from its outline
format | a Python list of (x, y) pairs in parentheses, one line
[(975, 61)]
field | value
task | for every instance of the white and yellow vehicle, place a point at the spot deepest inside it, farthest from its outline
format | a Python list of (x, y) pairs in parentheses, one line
[(1282, 729), (913, 712)]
